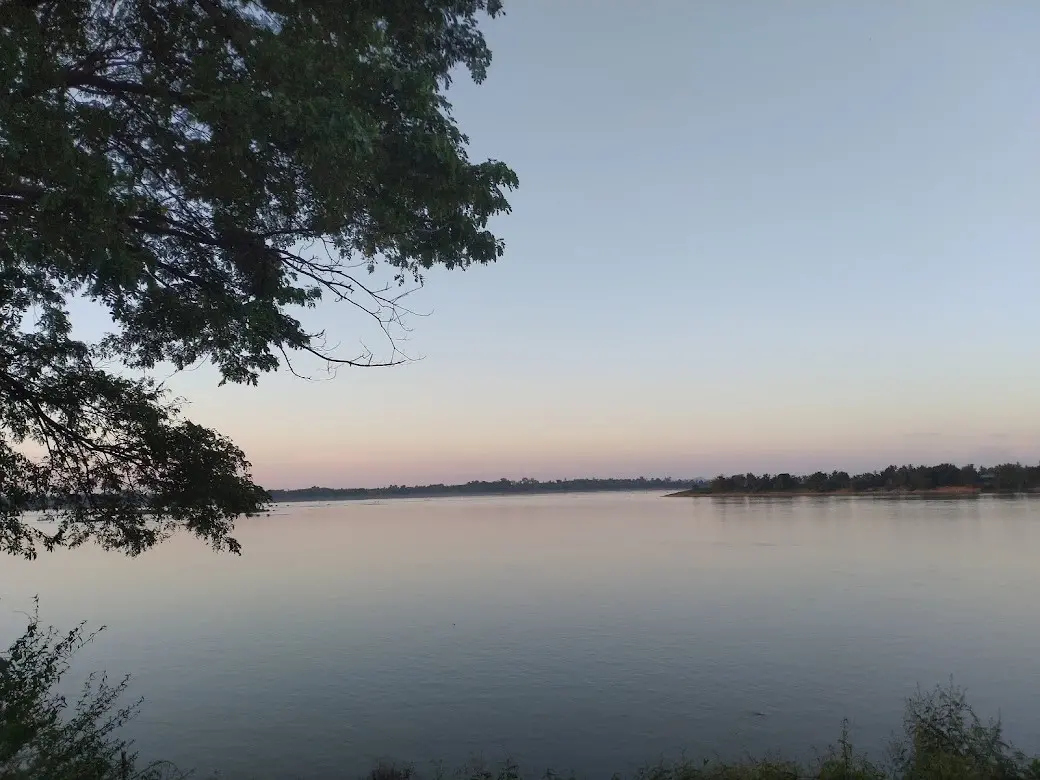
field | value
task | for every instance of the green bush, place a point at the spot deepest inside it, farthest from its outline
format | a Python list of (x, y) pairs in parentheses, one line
[(943, 739), (42, 736)]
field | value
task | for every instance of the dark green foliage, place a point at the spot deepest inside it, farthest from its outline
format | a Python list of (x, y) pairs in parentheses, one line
[(945, 740), (42, 736), (391, 772), (1005, 478), (198, 170), (751, 770)]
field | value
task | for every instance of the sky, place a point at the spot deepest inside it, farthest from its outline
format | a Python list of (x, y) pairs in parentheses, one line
[(748, 236)]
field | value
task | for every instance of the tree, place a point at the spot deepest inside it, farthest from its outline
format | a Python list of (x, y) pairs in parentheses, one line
[(816, 482), (969, 475), (203, 169), (721, 484), (1009, 478), (838, 480)]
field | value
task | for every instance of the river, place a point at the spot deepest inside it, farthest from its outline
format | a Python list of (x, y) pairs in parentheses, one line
[(591, 633)]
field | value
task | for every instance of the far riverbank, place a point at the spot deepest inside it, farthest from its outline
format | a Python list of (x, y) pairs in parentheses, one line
[(942, 492)]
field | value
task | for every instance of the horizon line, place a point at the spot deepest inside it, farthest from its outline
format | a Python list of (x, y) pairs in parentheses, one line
[(533, 480)]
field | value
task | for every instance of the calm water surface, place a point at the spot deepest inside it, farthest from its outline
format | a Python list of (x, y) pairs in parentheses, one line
[(591, 632)]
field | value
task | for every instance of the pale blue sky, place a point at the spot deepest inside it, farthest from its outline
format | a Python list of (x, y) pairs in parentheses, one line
[(749, 235)]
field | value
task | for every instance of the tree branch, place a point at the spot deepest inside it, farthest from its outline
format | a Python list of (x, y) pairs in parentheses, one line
[(91, 82)]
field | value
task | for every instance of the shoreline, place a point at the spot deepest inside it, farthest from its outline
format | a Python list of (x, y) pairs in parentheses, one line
[(941, 492), (282, 499)]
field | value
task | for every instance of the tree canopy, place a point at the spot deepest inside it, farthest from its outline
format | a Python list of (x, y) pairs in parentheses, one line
[(203, 169), (1003, 478)]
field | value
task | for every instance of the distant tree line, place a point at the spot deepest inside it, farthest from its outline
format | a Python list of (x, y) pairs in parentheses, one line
[(1005, 478), (481, 488)]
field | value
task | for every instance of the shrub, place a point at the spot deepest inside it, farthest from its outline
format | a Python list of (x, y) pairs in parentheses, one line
[(42, 736)]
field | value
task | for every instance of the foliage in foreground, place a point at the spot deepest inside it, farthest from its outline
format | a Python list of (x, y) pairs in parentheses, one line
[(43, 736)]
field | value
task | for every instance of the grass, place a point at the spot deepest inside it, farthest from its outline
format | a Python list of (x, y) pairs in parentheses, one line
[(43, 737)]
